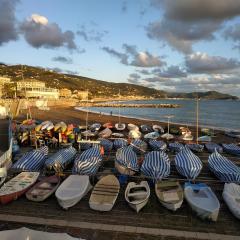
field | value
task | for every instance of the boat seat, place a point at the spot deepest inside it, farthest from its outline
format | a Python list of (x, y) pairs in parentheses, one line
[(167, 185), (138, 194)]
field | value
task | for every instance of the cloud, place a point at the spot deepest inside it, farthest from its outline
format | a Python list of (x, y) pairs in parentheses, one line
[(134, 78), (62, 59), (170, 72), (124, 6), (8, 30), (203, 63), (38, 32), (144, 71), (134, 58), (233, 33), (186, 22)]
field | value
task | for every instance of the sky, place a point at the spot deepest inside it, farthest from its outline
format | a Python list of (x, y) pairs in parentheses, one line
[(176, 46)]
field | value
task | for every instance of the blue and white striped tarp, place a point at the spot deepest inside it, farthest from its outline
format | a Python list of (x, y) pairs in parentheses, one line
[(188, 164), (126, 157), (61, 159), (32, 161), (175, 147), (156, 165), (138, 144), (157, 145), (195, 147), (106, 144), (211, 146), (88, 162), (231, 148), (119, 143), (223, 168)]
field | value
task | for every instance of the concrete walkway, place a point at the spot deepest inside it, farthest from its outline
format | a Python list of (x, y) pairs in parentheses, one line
[(24, 220)]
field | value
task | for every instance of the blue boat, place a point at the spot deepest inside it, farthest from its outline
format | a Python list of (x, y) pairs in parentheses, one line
[(175, 147), (156, 165), (119, 143), (211, 146), (188, 164), (231, 148), (88, 162), (106, 144), (32, 161), (223, 168), (157, 145), (61, 159), (195, 147), (138, 146), (126, 161)]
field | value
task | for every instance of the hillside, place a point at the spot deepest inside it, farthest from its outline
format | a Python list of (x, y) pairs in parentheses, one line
[(98, 88)]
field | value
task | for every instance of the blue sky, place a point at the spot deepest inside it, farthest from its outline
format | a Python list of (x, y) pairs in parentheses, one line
[(183, 45)]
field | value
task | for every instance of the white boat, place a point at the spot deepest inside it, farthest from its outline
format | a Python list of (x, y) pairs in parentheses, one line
[(131, 126), (120, 126), (105, 133), (89, 133), (46, 124), (137, 195), (170, 194), (135, 134), (118, 135), (205, 139), (157, 128), (104, 194), (3, 175), (202, 200), (152, 135), (72, 190), (187, 136), (231, 196), (167, 136)]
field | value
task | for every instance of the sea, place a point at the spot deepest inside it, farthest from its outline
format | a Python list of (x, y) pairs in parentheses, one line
[(217, 114)]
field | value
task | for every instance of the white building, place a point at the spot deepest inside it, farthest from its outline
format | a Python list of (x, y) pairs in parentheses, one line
[(30, 83), (46, 93), (4, 79)]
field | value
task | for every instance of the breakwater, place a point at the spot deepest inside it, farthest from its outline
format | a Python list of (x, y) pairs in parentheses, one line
[(123, 105)]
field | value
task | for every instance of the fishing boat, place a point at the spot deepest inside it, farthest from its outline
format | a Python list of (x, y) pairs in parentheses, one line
[(95, 127), (137, 195), (117, 135), (152, 135), (157, 128), (72, 190), (134, 134), (175, 147), (205, 138), (88, 162), (31, 161), (89, 133), (231, 196), (105, 133), (231, 148), (146, 128), (119, 143), (156, 165), (195, 147), (170, 194), (104, 194), (108, 125), (120, 126), (157, 145), (188, 164), (132, 126), (60, 160), (17, 186), (167, 135), (43, 189), (3, 175), (211, 146), (126, 161), (59, 126), (223, 168), (106, 144), (187, 136), (138, 146), (202, 200)]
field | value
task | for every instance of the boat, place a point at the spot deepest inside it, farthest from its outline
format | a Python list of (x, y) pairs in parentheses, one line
[(195, 147), (88, 162), (138, 146), (174, 130), (50, 126), (59, 126), (188, 164), (43, 189), (104, 193), (117, 135), (106, 144), (211, 146), (105, 133), (60, 160), (120, 126), (31, 161), (187, 136), (95, 127), (47, 124), (223, 168), (157, 128), (207, 131), (231, 148), (167, 136), (175, 147), (108, 125), (29, 234), (146, 128), (184, 130), (72, 190), (233, 134), (3, 175), (137, 195), (132, 126), (126, 161), (202, 200), (157, 145), (89, 133), (152, 135), (231, 196), (205, 138), (134, 134), (17, 186), (119, 143), (169, 193), (156, 165)]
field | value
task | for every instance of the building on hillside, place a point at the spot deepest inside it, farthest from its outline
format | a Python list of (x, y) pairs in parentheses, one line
[(4, 80), (83, 95), (30, 83), (65, 93)]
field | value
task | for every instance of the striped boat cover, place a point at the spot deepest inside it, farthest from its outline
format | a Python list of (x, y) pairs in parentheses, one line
[(195, 147), (223, 168), (188, 164), (156, 165), (88, 162), (85, 146), (231, 148), (126, 157), (175, 147), (157, 145), (119, 143), (106, 144), (61, 159), (211, 146), (32, 161), (138, 143)]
